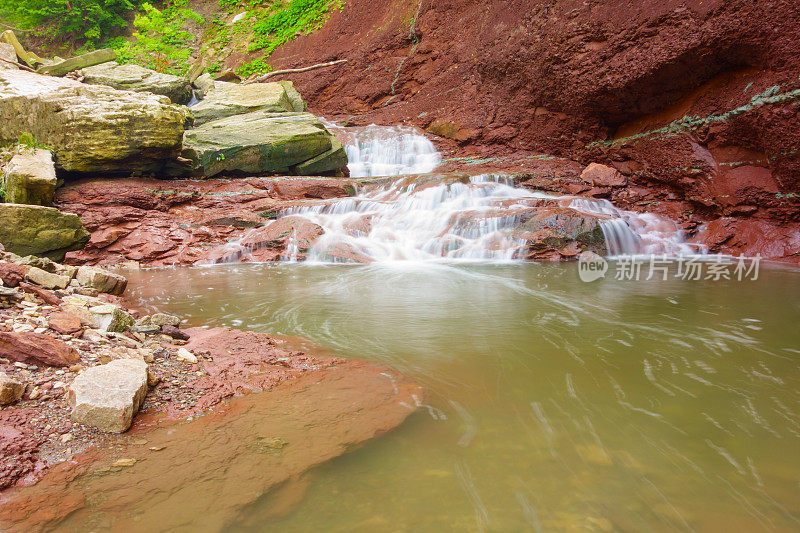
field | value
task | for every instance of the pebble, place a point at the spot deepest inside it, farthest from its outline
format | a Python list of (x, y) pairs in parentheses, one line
[(124, 462), (185, 355)]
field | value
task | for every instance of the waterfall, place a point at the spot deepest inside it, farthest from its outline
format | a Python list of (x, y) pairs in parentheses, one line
[(457, 219), (386, 150), (631, 233)]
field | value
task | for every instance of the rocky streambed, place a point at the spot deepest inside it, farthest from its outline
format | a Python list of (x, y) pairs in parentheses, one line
[(78, 367)]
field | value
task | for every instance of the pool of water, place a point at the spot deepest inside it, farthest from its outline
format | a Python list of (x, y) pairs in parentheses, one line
[(553, 404)]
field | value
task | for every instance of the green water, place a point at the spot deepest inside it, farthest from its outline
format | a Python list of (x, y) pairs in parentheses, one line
[(554, 405)]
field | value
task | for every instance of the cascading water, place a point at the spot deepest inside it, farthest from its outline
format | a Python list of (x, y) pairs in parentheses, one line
[(416, 219), (422, 221), (439, 218), (631, 233), (386, 150)]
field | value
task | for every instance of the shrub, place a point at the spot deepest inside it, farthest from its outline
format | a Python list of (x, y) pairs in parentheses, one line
[(91, 20), (161, 41)]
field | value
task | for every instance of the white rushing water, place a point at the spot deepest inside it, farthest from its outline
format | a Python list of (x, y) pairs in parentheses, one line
[(468, 220), (386, 150), (631, 233)]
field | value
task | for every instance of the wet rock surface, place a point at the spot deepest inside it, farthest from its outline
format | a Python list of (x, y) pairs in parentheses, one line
[(260, 441)]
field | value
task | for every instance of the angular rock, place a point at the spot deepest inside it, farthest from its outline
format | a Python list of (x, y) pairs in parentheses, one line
[(597, 174), (11, 390), (261, 143), (139, 79), (91, 128), (47, 296), (175, 333), (298, 105), (108, 396), (229, 99), (64, 323), (112, 318), (33, 229), (44, 263), (31, 178), (65, 66), (28, 58), (36, 348), (46, 279), (205, 83), (102, 280)]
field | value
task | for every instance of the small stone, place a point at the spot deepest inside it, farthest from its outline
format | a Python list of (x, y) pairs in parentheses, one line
[(156, 448), (64, 323), (76, 368), (146, 329), (66, 437), (163, 319), (175, 333), (124, 463), (152, 378), (605, 176), (185, 355), (11, 390)]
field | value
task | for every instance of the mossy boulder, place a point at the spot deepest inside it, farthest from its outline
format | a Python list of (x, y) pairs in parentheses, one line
[(41, 231), (30, 178), (139, 79), (91, 128), (261, 143), (229, 99)]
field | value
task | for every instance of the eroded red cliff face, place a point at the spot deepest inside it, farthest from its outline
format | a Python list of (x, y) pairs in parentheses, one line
[(695, 102)]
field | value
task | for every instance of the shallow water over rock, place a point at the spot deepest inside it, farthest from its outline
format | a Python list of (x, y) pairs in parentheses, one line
[(554, 404)]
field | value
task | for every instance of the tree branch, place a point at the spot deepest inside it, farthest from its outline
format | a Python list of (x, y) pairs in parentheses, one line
[(265, 77), (20, 65)]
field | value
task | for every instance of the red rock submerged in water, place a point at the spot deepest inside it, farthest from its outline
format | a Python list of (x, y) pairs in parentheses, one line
[(251, 445)]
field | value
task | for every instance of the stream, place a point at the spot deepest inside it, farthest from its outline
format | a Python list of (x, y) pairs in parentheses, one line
[(554, 404)]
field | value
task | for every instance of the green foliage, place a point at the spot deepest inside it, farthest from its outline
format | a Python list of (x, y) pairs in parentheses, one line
[(285, 20), (254, 67), (27, 141), (161, 41), (91, 20)]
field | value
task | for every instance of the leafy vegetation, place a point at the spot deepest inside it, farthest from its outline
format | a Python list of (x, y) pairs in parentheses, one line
[(161, 40), (285, 20), (91, 20), (253, 68)]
